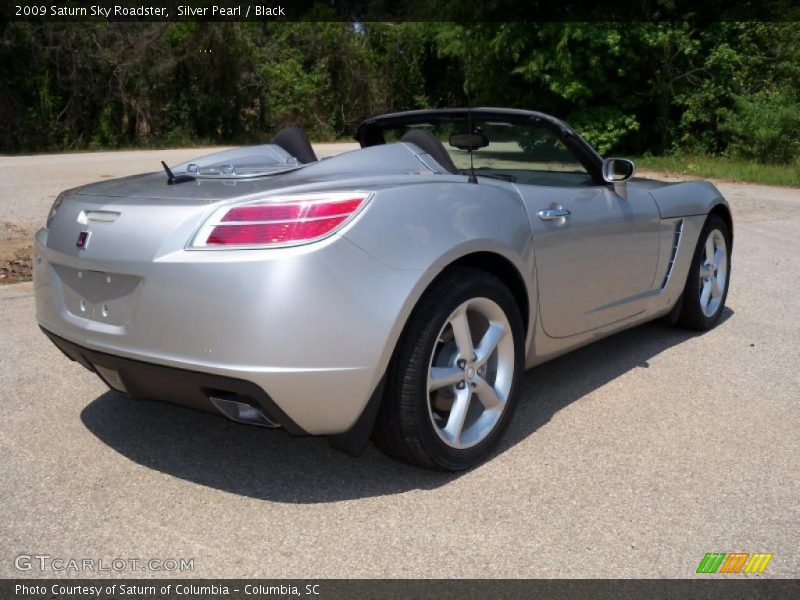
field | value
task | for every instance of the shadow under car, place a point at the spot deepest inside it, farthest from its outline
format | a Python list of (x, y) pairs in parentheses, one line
[(272, 465)]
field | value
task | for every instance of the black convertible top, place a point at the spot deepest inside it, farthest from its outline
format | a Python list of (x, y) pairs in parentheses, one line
[(370, 132)]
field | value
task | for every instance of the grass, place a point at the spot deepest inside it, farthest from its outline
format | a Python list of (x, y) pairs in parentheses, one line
[(723, 168)]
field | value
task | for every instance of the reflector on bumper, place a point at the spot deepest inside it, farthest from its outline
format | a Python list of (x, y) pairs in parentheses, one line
[(112, 378)]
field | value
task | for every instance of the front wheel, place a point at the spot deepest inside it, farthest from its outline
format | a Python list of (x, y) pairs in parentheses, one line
[(709, 276), (453, 381)]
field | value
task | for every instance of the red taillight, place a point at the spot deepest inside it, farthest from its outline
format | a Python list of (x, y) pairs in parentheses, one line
[(271, 233), (264, 213), (279, 221)]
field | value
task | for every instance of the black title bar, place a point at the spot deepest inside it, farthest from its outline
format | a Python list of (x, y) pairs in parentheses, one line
[(401, 10), (714, 587)]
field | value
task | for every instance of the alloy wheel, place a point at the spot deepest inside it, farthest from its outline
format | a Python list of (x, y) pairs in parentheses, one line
[(469, 384), (713, 273)]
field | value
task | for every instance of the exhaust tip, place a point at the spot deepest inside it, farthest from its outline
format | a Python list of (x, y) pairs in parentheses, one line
[(241, 412)]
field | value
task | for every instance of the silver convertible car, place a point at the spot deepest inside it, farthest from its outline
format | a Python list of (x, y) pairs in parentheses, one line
[(396, 293)]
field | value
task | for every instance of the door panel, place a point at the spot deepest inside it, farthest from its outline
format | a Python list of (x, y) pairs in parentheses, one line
[(596, 263)]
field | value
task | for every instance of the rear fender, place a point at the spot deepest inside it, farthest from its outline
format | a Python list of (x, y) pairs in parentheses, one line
[(426, 228)]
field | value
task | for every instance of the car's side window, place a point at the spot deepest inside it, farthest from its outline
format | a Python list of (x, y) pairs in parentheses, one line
[(528, 155)]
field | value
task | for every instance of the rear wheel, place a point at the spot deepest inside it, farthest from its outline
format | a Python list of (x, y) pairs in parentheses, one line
[(707, 285), (452, 384)]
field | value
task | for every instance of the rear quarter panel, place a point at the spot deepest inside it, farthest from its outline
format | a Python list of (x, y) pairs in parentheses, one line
[(426, 226)]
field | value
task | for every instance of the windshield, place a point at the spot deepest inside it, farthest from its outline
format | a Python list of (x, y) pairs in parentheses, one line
[(513, 152)]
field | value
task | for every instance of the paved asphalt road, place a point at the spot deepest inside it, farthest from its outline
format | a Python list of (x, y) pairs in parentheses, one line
[(630, 458)]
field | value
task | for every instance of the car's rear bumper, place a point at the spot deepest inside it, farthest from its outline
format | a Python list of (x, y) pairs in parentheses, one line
[(312, 328), (192, 389)]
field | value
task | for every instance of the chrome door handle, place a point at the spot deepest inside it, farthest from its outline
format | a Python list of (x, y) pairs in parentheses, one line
[(553, 214)]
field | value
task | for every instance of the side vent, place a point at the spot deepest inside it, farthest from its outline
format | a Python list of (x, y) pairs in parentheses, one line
[(676, 243)]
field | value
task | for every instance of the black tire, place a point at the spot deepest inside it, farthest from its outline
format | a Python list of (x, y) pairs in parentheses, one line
[(404, 428), (691, 313)]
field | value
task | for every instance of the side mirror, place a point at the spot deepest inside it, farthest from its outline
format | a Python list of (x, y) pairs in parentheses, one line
[(617, 171)]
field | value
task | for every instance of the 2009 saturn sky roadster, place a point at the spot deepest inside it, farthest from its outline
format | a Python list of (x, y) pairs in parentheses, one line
[(396, 292)]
